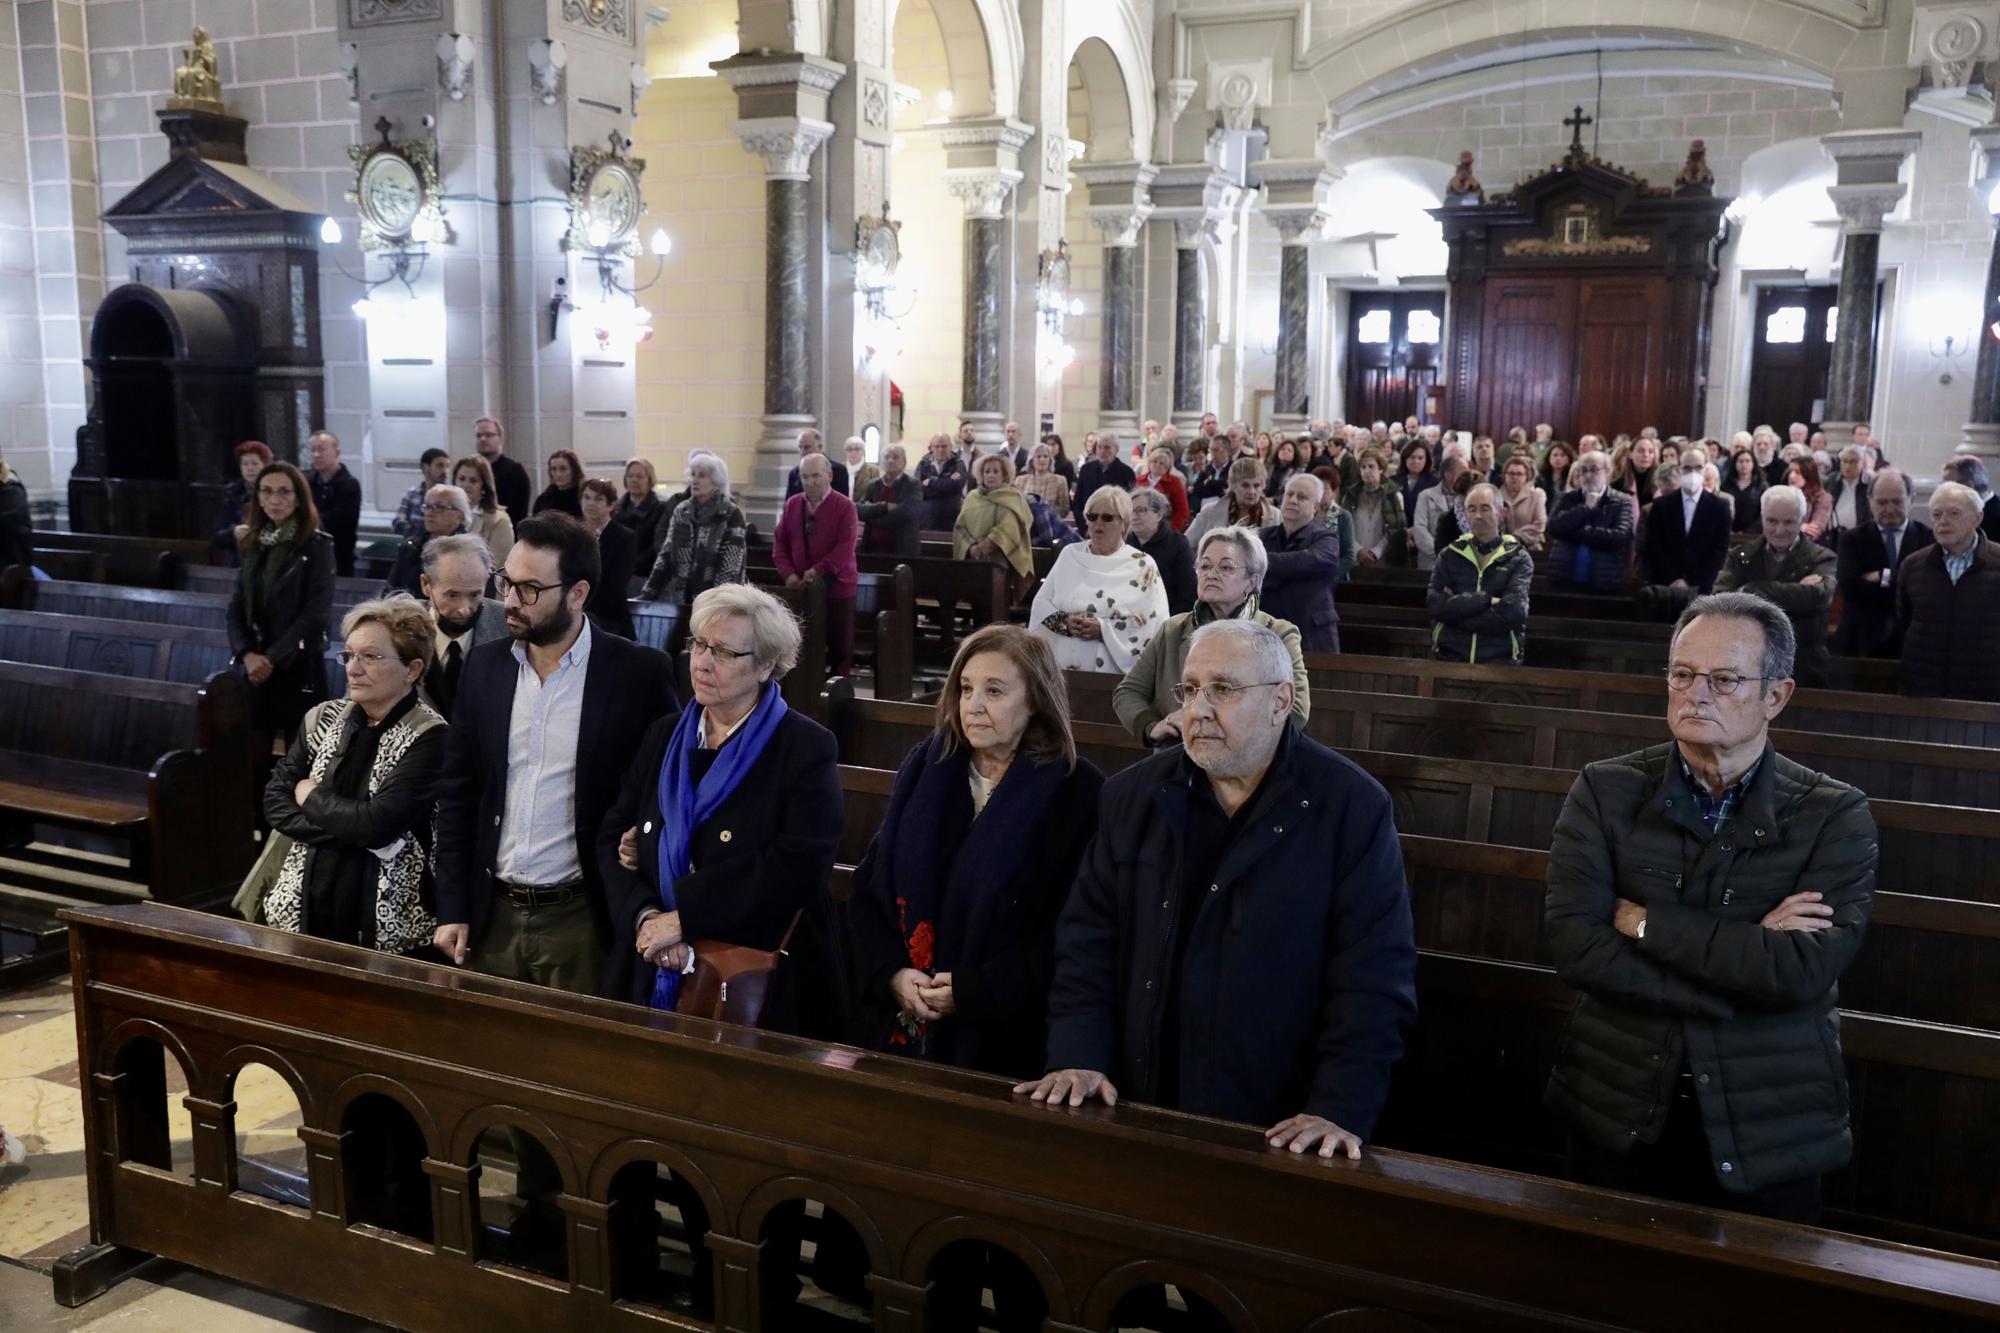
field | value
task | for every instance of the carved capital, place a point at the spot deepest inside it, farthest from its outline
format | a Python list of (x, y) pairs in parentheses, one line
[(1862, 207), (1298, 224), (786, 143), (983, 190), (1179, 92), (1953, 41), (1191, 232), (1118, 224)]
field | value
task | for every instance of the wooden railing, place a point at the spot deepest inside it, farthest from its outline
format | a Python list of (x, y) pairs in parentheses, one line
[(1093, 1204)]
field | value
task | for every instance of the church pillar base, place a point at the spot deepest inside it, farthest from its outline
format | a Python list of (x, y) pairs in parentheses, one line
[(1292, 423), (1125, 425), (1187, 423), (1981, 438)]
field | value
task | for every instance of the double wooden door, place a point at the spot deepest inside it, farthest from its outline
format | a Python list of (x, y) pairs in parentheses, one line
[(1791, 351), (1582, 353), (1395, 355)]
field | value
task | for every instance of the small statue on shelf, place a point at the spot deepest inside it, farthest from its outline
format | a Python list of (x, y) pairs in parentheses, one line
[(1695, 177), (196, 82), (1464, 187)]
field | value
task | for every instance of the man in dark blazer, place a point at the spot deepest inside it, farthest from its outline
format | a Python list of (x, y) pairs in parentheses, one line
[(337, 496), (1238, 940), (1104, 468), (1866, 575), (510, 479), (546, 724), (1687, 534), (456, 573), (810, 443)]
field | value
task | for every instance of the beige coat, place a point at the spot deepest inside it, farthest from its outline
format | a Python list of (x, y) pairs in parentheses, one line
[(1526, 516)]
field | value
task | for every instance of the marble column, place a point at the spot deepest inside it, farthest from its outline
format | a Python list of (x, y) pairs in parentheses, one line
[(787, 145), (1866, 188), (1190, 328), (1981, 435), (1120, 204), (1297, 229), (982, 169)]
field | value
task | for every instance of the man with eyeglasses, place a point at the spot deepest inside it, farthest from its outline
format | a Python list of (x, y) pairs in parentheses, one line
[(1238, 941), (447, 511), (1705, 896), (1687, 535), (1785, 568), (544, 727)]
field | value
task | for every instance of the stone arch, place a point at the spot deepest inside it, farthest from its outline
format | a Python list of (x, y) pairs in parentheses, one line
[(465, 1139), (1107, 44), (784, 1189), (1120, 1281), (947, 1230), (990, 86)]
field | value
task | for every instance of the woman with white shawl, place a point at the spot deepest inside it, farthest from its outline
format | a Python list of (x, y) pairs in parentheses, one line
[(1104, 600)]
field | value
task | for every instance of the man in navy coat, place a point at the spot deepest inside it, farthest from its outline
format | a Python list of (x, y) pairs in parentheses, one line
[(1238, 941)]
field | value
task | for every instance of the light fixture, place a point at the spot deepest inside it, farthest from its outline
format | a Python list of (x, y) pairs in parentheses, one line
[(1076, 305), (662, 244), (944, 101), (1993, 200), (363, 308), (407, 255), (329, 231), (424, 229), (609, 252)]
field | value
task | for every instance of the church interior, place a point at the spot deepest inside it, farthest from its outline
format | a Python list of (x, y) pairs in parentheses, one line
[(634, 232)]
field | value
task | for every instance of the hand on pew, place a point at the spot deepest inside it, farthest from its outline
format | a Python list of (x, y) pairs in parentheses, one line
[(1077, 1086), (452, 941), (1801, 911), (1301, 1132)]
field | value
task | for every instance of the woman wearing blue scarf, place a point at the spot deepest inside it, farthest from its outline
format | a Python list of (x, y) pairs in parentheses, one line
[(955, 904), (735, 808)]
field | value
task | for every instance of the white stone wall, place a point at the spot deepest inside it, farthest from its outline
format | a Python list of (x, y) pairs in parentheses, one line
[(23, 411), (279, 69)]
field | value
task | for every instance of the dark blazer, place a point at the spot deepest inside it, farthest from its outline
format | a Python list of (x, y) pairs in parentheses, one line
[(1299, 971), (235, 502), (646, 521), (1862, 514), (943, 488), (626, 688), (1174, 558), (1868, 624), (1002, 888), (291, 629), (1989, 522), (1094, 474), (1604, 530), (1298, 587), (491, 625), (339, 505), (607, 606), (766, 853), (17, 540), (895, 531), (1672, 551), (793, 486), (511, 484), (1748, 500)]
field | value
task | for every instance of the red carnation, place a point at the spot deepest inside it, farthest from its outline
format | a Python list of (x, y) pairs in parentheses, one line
[(920, 946)]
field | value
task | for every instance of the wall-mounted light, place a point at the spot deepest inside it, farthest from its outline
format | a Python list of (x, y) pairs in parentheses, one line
[(660, 246)]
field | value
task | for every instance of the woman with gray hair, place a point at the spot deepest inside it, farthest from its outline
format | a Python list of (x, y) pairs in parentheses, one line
[(1229, 573), (727, 825), (706, 541), (351, 803)]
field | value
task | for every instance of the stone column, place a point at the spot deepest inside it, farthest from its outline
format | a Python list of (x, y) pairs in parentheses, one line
[(857, 176), (783, 98), (1200, 200), (1120, 203), (1294, 203), (981, 170), (1981, 435), (1190, 325), (1866, 190)]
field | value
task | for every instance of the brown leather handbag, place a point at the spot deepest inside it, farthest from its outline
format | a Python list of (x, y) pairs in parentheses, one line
[(732, 982)]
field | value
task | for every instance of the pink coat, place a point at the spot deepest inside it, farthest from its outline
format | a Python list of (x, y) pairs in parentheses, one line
[(830, 549)]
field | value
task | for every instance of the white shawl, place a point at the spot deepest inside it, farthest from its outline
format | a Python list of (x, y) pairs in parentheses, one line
[(1123, 591)]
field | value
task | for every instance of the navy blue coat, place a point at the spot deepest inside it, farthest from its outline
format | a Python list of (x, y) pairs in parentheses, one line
[(1299, 585), (1589, 543), (1301, 971)]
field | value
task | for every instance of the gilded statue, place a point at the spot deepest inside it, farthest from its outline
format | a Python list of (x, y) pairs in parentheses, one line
[(196, 82)]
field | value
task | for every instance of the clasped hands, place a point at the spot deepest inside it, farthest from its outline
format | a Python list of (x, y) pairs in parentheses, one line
[(659, 941), (1082, 626), (1800, 911), (924, 996), (1301, 1133)]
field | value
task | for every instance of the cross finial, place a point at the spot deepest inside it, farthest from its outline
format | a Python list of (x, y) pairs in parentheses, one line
[(382, 127), (1576, 124)]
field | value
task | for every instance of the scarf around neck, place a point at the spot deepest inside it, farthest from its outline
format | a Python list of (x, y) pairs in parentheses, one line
[(686, 805)]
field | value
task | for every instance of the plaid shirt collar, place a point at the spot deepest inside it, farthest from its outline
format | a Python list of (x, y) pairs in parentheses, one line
[(1715, 810)]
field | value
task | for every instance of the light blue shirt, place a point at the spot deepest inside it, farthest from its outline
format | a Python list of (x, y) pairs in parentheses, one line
[(1956, 565), (538, 820)]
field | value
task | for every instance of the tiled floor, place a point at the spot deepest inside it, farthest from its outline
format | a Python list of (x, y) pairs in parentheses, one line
[(43, 1212)]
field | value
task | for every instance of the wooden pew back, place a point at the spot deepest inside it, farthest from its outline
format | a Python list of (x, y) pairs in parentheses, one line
[(113, 647)]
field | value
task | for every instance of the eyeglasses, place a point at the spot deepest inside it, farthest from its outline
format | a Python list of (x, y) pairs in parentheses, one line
[(1682, 679), (1227, 569), (529, 593), (1218, 694), (1100, 518), (440, 509), (717, 651), (369, 661)]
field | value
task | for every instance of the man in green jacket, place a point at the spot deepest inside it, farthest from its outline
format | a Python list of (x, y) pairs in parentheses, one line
[(1705, 896), (1478, 599)]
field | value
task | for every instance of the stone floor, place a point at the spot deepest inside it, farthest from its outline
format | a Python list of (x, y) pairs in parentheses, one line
[(43, 1209)]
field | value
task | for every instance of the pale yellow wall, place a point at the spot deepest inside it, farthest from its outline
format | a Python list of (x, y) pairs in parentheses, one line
[(701, 378), (931, 336), (699, 31)]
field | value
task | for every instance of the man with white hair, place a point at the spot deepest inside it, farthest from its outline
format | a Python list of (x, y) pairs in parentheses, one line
[(1687, 541), (1238, 941), (1303, 566), (1590, 530), (447, 510), (457, 570), (811, 443), (1435, 502), (1948, 602), (1784, 568), (1968, 471)]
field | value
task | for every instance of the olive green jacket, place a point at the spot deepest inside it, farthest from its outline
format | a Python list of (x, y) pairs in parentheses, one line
[(1147, 693)]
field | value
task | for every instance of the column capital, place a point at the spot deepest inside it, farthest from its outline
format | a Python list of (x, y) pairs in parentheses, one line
[(787, 70), (1002, 134), (1297, 224), (1120, 198), (1863, 207), (774, 87), (983, 190), (786, 143), (1867, 157)]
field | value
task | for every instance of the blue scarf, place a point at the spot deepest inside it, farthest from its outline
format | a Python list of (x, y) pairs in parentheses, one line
[(684, 807)]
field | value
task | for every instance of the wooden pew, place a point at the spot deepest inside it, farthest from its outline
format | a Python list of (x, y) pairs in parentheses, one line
[(131, 648), (804, 686), (1843, 712), (885, 621), (139, 562), (196, 610), (1375, 586), (911, 1156), (220, 579), (1925, 849), (951, 599), (155, 771)]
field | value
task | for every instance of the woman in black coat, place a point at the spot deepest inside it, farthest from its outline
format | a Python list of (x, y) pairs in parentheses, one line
[(565, 488), (642, 512), (955, 903), (284, 597), (755, 822)]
